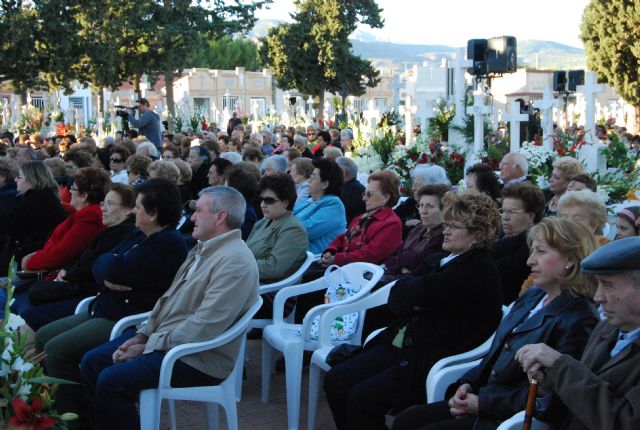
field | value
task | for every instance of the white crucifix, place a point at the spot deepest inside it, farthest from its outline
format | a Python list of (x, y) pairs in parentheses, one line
[(459, 65), (372, 115), (514, 117), (478, 110), (546, 106), (408, 110), (589, 91)]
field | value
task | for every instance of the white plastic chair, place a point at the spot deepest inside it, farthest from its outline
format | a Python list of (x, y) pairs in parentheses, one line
[(83, 306), (126, 322), (436, 386), (283, 336), (277, 286), (516, 421), (319, 357), (437, 382), (223, 394)]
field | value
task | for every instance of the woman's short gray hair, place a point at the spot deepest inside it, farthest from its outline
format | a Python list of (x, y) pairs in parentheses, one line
[(431, 174), (348, 165), (277, 162), (299, 139), (150, 147), (232, 157), (229, 200), (347, 132), (591, 205)]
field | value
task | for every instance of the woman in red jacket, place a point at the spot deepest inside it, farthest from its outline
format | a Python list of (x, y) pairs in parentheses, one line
[(76, 233), (373, 236)]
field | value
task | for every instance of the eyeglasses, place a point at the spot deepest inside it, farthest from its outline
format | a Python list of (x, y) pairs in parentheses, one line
[(115, 160), (368, 194), (423, 206), (19, 177), (268, 200), (454, 226), (108, 204), (510, 212), (73, 188)]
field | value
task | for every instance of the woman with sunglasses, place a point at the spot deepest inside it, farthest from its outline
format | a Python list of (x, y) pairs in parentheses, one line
[(278, 241), (117, 160)]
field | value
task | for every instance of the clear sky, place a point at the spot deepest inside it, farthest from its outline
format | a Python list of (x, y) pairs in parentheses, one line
[(453, 22)]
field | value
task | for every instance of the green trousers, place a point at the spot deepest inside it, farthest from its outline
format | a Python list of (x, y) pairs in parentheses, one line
[(65, 341)]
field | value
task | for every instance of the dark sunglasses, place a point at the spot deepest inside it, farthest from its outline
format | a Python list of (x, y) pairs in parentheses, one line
[(268, 200), (116, 160)]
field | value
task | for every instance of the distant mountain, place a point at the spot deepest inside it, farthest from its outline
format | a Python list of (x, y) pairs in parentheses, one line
[(550, 55)]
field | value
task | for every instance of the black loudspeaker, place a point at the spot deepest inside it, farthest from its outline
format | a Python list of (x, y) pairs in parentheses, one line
[(476, 52), (502, 55), (560, 81), (576, 77)]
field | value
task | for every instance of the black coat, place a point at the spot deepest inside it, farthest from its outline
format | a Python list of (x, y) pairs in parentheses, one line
[(511, 254), (406, 211), (79, 272), (199, 180), (351, 196), (446, 310), (30, 223), (565, 324)]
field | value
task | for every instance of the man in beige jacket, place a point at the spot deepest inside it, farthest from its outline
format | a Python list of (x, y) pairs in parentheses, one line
[(215, 286)]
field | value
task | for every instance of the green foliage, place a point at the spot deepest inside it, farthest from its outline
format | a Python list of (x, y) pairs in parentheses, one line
[(610, 31), (618, 155), (385, 141), (313, 54), (19, 46), (439, 124), (226, 54)]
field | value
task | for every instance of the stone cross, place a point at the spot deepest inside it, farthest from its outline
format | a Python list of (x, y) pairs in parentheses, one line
[(546, 106), (16, 105), (372, 115), (589, 90), (5, 113), (408, 110), (459, 66), (478, 110), (514, 117)]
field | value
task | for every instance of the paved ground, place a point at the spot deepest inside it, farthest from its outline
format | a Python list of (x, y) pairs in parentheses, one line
[(252, 414)]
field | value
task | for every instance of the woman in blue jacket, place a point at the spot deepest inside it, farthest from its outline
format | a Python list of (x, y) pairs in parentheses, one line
[(322, 214)]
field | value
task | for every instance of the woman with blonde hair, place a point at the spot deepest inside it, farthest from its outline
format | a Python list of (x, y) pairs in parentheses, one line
[(564, 169), (38, 212), (557, 311), (447, 306), (587, 208)]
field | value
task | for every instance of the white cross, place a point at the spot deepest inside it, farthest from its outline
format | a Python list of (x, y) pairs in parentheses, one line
[(459, 66), (589, 90), (546, 106), (514, 117), (478, 110), (408, 110), (371, 115)]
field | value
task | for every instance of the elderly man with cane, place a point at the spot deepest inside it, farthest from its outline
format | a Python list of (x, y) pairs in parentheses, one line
[(602, 390)]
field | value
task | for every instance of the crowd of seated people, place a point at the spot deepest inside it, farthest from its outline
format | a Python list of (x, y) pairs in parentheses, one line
[(121, 218)]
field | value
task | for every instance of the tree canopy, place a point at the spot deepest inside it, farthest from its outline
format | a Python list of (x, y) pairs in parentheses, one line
[(226, 53), (106, 42), (313, 54), (611, 34)]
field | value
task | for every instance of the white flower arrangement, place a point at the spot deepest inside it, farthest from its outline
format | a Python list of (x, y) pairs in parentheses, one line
[(537, 156), (367, 160)]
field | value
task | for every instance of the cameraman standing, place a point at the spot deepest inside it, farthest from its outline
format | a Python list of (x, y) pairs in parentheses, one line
[(148, 124)]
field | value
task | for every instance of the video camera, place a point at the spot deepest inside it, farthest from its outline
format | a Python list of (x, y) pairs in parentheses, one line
[(120, 110)]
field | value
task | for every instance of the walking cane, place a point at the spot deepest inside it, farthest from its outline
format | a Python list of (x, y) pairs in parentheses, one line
[(531, 405)]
